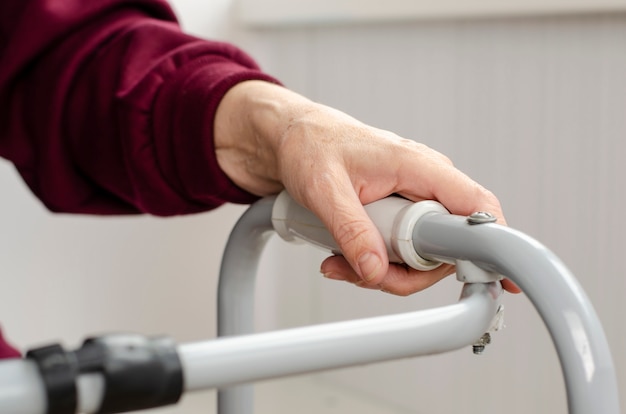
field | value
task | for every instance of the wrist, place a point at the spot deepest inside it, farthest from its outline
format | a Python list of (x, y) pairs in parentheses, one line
[(251, 123)]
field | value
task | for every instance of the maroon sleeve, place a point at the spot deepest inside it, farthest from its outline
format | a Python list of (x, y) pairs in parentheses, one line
[(7, 350), (106, 107)]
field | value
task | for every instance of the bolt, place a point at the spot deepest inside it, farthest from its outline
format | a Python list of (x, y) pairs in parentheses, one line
[(478, 349), (481, 217), (480, 345)]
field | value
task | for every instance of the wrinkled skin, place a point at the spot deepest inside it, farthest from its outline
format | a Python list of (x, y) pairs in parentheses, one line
[(268, 138)]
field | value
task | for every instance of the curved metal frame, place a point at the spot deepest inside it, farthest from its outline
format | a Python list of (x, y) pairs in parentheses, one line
[(576, 331), (240, 356)]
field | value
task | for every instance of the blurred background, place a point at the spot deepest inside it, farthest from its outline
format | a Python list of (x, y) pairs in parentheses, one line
[(529, 100)]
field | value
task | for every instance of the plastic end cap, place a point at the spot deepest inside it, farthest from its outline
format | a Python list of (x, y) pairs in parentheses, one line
[(402, 241)]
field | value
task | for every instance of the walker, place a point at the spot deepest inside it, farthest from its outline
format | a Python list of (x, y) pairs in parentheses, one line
[(122, 373)]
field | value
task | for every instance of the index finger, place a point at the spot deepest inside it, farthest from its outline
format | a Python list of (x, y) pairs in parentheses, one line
[(438, 179)]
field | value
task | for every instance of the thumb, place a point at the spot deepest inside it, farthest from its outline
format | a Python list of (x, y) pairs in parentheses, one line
[(356, 235)]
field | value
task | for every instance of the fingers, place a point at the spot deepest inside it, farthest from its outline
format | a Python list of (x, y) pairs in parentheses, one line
[(404, 281), (358, 238), (510, 286), (335, 171), (436, 178), (339, 197), (400, 280)]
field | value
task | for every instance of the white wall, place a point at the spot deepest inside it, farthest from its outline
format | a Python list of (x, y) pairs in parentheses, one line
[(533, 108), (267, 13)]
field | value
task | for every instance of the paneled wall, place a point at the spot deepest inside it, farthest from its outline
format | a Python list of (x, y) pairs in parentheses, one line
[(533, 108)]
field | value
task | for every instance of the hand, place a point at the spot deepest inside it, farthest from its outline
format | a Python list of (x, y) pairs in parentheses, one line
[(267, 138)]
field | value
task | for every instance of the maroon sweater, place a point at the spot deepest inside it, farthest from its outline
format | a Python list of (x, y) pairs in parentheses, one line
[(106, 107)]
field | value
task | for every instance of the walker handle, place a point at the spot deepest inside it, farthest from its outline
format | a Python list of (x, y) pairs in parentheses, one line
[(395, 218), (475, 244)]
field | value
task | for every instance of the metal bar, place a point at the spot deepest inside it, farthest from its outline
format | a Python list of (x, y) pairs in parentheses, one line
[(235, 298), (242, 359), (22, 390), (275, 354), (575, 328), (571, 320)]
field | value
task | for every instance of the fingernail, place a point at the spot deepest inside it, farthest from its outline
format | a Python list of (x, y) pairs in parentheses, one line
[(332, 276), (363, 284), (369, 266)]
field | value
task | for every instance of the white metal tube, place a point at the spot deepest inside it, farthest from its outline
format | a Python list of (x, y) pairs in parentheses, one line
[(241, 359), (21, 388), (236, 360), (235, 298), (90, 389), (239, 266), (572, 322), (566, 310)]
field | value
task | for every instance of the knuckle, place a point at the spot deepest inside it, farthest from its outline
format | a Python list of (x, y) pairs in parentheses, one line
[(432, 154), (488, 198)]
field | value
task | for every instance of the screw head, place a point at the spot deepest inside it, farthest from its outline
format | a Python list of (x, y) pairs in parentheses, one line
[(481, 217)]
